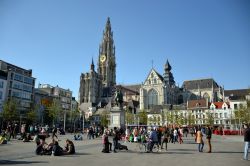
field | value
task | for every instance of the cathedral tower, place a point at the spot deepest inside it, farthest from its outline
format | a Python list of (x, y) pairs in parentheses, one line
[(168, 76), (106, 62)]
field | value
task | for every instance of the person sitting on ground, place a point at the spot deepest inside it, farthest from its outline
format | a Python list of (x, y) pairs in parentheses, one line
[(26, 137), (57, 150), (49, 147), (3, 139), (69, 148), (36, 139), (77, 137), (40, 149)]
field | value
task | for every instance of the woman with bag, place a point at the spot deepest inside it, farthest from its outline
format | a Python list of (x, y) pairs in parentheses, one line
[(199, 140)]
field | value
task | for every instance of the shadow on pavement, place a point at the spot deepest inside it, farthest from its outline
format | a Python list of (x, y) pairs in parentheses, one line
[(75, 155), (226, 152), (10, 162)]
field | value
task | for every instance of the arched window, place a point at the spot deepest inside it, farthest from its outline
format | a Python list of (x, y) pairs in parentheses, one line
[(152, 97), (180, 99), (207, 97)]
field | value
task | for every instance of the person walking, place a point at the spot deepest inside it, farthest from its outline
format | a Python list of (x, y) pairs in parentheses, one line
[(165, 139), (209, 136), (199, 140), (247, 141), (115, 139)]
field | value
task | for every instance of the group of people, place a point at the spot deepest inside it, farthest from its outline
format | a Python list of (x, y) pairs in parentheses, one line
[(168, 134), (53, 148)]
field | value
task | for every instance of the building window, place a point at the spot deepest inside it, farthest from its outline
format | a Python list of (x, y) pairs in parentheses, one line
[(1, 84), (1, 95), (220, 115), (155, 81), (16, 94), (17, 86), (149, 81), (27, 88), (18, 77), (225, 115), (207, 97), (235, 106), (153, 97), (28, 80)]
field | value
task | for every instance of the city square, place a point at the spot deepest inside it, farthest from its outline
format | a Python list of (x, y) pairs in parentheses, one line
[(154, 82)]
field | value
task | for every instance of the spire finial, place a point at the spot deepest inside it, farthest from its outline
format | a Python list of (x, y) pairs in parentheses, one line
[(168, 66), (92, 67)]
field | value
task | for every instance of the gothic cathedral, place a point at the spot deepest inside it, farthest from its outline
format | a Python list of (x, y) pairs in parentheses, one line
[(94, 86)]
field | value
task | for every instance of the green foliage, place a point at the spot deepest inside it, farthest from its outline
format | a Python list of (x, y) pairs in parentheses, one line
[(243, 113), (54, 110), (210, 118), (190, 119), (129, 118), (9, 112), (31, 116), (104, 118), (143, 117)]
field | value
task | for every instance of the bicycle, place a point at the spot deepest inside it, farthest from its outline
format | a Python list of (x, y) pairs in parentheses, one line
[(143, 147)]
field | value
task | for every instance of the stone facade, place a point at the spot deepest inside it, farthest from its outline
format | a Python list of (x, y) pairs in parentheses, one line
[(158, 90), (202, 88), (99, 86), (90, 86)]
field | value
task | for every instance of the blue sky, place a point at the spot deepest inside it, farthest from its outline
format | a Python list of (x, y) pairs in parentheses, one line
[(58, 38)]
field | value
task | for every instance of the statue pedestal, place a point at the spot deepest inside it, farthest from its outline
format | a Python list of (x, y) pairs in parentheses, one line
[(117, 118)]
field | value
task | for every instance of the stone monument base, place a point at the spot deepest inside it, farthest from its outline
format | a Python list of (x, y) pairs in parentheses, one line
[(117, 118)]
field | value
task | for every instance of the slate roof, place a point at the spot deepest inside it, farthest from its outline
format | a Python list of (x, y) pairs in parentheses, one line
[(128, 90), (237, 93), (135, 87), (200, 83), (160, 76)]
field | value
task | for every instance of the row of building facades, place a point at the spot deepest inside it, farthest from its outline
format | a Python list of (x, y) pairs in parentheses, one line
[(18, 84), (158, 95)]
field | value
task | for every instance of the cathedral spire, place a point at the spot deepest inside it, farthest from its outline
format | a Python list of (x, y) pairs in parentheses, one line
[(167, 66), (106, 62), (92, 67)]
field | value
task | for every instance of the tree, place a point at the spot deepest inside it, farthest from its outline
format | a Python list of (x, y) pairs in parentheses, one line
[(243, 113), (104, 118), (170, 117), (210, 118), (190, 119), (73, 117), (31, 116), (54, 110), (129, 117), (143, 117), (9, 112)]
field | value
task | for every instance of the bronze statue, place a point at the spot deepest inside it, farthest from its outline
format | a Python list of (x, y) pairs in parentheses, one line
[(118, 98)]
